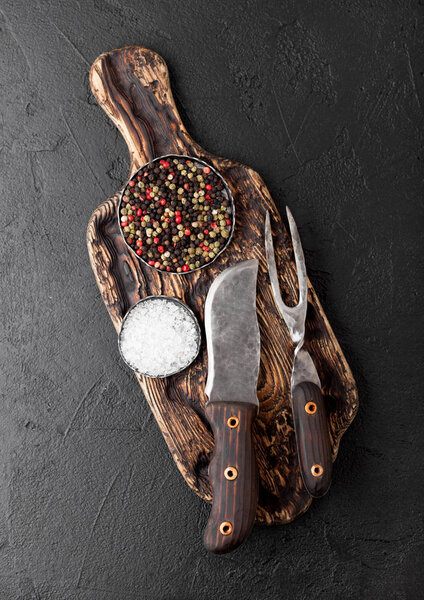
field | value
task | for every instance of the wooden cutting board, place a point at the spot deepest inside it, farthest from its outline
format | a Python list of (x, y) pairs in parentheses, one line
[(132, 86)]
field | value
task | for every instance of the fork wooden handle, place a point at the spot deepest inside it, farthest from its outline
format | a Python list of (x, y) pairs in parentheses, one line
[(312, 438)]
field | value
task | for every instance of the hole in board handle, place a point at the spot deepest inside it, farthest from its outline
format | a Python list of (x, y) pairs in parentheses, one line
[(233, 422)]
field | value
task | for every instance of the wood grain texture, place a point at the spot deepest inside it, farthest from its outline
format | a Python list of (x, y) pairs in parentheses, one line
[(132, 85), (312, 439), (234, 500)]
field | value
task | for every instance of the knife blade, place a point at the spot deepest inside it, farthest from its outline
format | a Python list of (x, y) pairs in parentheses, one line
[(233, 345), (308, 408)]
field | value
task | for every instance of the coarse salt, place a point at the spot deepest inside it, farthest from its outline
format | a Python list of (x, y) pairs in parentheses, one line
[(159, 337)]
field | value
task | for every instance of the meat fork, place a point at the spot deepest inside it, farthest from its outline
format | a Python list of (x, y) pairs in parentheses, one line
[(309, 414)]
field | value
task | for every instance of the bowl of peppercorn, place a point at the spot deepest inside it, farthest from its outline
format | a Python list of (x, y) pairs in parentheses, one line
[(176, 213)]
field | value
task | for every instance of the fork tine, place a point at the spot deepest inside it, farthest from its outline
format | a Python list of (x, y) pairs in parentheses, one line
[(299, 258), (272, 267), (294, 316)]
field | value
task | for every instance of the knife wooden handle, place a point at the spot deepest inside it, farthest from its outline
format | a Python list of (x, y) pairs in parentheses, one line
[(312, 438), (233, 475)]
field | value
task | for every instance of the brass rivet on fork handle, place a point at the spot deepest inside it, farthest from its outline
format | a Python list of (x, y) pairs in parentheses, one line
[(226, 528), (317, 470), (311, 408)]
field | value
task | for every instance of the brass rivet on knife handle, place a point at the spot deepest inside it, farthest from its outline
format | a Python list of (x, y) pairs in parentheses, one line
[(226, 528), (233, 422), (317, 470), (230, 473), (233, 475), (311, 408)]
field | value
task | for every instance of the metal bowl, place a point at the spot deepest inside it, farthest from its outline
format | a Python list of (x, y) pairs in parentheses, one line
[(200, 162), (191, 315)]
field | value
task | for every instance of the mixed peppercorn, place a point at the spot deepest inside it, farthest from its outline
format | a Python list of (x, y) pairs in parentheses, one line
[(176, 214)]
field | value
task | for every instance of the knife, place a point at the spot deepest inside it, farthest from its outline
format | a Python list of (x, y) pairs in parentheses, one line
[(233, 344), (309, 414)]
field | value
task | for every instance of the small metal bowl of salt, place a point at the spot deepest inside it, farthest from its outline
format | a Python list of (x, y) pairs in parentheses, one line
[(159, 336)]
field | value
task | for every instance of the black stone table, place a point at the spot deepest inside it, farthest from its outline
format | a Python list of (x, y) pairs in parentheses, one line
[(324, 100)]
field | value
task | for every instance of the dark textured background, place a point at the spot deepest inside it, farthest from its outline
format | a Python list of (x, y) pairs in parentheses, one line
[(324, 99)]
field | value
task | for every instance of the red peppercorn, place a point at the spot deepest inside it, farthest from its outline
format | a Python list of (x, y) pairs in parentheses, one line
[(139, 243), (168, 220), (178, 220), (164, 163), (126, 199), (206, 170), (130, 218), (187, 231), (207, 196), (162, 201), (185, 268), (177, 213), (228, 222), (161, 249), (156, 240), (139, 177), (208, 187), (139, 212), (148, 196), (168, 269), (214, 225), (206, 248), (131, 183), (124, 223), (186, 186), (151, 263), (206, 231), (139, 252)]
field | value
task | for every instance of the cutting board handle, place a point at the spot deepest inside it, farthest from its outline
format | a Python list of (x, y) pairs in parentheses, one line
[(132, 86)]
